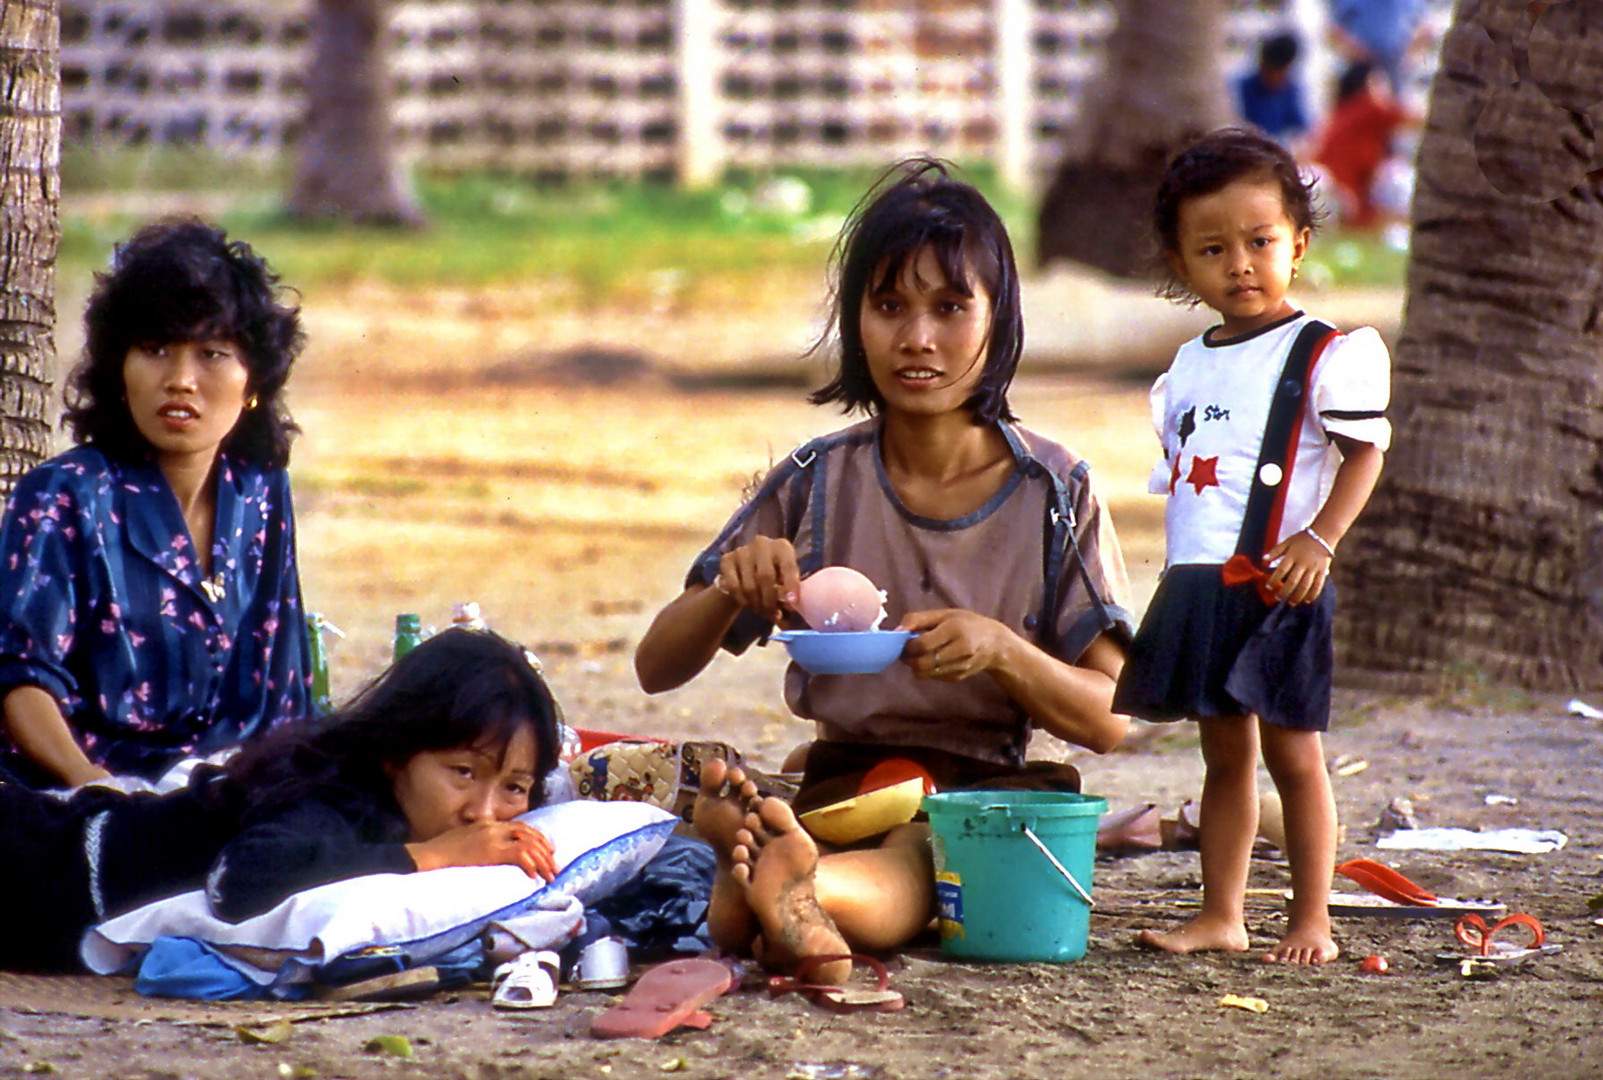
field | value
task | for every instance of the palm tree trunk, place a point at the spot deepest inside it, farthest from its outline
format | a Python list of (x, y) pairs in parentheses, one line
[(30, 228), (1481, 554), (346, 166), (1160, 85)]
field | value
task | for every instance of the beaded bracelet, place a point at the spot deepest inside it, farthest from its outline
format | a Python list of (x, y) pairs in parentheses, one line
[(1321, 541)]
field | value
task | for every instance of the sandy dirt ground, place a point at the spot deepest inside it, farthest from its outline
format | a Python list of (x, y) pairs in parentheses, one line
[(445, 459)]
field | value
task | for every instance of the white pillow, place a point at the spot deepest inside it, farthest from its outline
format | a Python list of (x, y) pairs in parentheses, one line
[(599, 846)]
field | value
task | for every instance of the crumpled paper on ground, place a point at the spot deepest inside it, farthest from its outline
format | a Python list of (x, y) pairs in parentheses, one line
[(1517, 841)]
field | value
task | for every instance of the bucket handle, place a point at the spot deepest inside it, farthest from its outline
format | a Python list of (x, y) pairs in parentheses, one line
[(1078, 888)]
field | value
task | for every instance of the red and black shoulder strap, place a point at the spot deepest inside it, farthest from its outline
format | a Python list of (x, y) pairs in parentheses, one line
[(1277, 456)]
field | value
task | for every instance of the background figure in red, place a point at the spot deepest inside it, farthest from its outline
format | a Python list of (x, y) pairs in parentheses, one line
[(1357, 140)]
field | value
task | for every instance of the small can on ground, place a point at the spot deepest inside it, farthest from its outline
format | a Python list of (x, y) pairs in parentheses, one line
[(602, 965)]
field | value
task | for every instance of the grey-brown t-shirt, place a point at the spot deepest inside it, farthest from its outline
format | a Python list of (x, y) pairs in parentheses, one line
[(832, 499)]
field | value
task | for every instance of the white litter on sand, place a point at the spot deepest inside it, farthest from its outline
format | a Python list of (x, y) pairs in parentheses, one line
[(1518, 841)]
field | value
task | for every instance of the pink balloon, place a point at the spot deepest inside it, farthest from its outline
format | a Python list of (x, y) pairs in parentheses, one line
[(838, 598)]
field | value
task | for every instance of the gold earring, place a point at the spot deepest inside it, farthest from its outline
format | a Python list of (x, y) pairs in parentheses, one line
[(1294, 273), (251, 402)]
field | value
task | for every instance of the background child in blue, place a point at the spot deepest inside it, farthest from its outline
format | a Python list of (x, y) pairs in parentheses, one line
[(1238, 635), (1270, 96), (150, 601)]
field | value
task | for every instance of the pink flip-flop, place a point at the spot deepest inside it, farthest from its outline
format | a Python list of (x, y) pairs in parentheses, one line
[(665, 997)]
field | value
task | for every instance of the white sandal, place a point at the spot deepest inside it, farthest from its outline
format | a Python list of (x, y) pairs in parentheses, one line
[(527, 981)]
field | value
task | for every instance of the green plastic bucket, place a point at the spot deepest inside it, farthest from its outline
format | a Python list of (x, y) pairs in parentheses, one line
[(1013, 872)]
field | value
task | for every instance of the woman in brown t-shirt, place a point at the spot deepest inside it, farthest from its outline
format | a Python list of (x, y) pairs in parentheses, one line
[(987, 539)]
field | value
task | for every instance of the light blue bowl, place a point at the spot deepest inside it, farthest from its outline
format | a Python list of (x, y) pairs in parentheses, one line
[(848, 652)]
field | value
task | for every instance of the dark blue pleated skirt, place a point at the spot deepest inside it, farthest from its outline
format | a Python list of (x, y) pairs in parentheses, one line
[(1207, 649)]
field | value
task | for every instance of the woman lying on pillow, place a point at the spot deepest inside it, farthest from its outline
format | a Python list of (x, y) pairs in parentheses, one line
[(424, 769), (150, 605)]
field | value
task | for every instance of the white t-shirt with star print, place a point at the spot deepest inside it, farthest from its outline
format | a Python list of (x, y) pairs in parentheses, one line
[(1210, 408)]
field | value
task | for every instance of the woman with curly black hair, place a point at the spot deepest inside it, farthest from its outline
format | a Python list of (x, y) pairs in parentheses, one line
[(150, 605)]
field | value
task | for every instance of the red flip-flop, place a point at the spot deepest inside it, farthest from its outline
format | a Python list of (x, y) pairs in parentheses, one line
[(840, 998), (1385, 882), (1472, 931), (663, 998)]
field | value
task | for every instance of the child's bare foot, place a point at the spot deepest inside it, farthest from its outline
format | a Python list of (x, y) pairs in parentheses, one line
[(1198, 935), (1304, 945), (776, 860), (718, 816)]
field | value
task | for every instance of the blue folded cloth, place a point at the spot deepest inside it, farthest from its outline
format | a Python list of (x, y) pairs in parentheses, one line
[(662, 910), (182, 967)]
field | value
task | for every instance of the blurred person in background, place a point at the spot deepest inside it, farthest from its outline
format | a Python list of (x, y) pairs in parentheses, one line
[(1379, 32), (1270, 97), (1357, 143)]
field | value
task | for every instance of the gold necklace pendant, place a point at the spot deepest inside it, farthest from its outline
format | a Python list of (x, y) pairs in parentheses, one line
[(214, 587)]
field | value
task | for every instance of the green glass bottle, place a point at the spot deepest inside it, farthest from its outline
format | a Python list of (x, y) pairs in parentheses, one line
[(408, 634), (316, 627)]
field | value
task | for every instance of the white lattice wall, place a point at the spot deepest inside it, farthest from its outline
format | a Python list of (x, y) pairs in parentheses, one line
[(562, 88), (225, 75)]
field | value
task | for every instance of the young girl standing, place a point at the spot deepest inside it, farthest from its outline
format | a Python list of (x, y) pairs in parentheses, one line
[(986, 538), (1273, 429)]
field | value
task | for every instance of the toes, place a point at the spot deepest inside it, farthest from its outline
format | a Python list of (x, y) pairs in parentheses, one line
[(713, 776), (777, 815), (756, 830), (1294, 956)]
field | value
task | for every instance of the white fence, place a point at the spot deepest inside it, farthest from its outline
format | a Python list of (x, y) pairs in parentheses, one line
[(684, 88)]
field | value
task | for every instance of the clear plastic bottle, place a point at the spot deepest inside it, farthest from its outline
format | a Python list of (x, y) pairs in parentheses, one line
[(467, 616)]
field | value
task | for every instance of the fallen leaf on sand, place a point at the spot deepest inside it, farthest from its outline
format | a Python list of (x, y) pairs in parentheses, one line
[(276, 1032), (1251, 1004), (393, 1045)]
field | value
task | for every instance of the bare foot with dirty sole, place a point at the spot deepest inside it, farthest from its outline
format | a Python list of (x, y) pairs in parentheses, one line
[(776, 861)]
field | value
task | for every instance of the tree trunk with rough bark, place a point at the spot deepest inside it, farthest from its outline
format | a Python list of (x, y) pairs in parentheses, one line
[(1160, 85), (30, 228), (1480, 558), (346, 164)]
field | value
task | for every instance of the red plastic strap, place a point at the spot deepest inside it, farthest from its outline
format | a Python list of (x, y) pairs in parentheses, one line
[(1471, 930)]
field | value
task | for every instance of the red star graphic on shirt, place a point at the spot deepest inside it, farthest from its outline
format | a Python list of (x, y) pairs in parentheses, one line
[(1204, 473), (1174, 474)]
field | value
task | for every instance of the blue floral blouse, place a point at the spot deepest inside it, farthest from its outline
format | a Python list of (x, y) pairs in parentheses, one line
[(103, 605)]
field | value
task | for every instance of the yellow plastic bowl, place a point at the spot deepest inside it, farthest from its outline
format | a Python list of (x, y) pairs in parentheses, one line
[(866, 815)]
